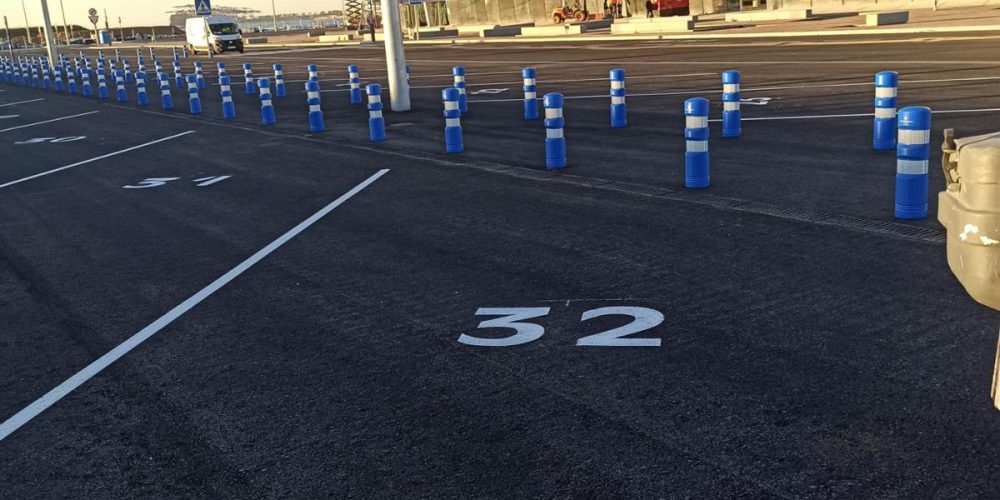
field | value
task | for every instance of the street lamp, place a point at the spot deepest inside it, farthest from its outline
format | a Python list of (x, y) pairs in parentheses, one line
[(274, 17), (65, 26), (27, 30)]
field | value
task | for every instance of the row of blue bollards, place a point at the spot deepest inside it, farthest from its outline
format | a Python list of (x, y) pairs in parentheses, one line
[(908, 132)]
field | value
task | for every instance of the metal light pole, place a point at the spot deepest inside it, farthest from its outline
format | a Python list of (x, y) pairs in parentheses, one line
[(274, 17), (10, 43), (50, 45), (27, 29), (371, 25), (65, 26), (395, 58)]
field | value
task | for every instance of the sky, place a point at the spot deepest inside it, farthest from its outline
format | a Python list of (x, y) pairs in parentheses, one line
[(141, 12)]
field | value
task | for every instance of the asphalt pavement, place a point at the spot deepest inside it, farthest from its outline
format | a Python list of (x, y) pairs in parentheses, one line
[(200, 307)]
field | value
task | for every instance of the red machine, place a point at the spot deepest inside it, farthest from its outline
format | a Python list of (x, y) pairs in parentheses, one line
[(673, 7)]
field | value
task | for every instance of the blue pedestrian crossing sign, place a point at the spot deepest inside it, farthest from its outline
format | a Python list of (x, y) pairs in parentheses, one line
[(203, 7)]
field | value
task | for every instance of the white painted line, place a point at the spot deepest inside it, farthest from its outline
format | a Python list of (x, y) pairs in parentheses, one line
[(84, 162), (47, 121), (572, 80), (855, 115), (20, 102), (50, 398)]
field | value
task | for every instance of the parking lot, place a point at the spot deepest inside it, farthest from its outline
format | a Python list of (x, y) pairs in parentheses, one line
[(199, 307)]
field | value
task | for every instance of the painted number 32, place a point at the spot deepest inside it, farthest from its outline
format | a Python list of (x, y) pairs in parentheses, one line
[(513, 318)]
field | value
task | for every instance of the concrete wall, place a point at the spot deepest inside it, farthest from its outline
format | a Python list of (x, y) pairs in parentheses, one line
[(832, 6), (462, 12)]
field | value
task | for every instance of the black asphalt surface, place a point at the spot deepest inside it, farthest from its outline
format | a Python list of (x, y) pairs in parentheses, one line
[(811, 346)]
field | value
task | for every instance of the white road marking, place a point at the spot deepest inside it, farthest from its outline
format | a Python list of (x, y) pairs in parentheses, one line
[(47, 121), (855, 115), (8, 117), (50, 398), (571, 80), (20, 102), (84, 162)]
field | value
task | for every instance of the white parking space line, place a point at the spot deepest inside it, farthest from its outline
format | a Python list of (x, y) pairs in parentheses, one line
[(20, 102), (84, 162), (41, 404), (47, 121)]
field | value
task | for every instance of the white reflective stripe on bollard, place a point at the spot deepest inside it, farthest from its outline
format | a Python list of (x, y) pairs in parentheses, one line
[(914, 136), (552, 113), (912, 167), (696, 122), (697, 146), (883, 92)]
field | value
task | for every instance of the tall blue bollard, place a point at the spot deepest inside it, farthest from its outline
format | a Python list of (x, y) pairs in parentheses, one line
[(199, 74), (731, 114), (315, 111), (120, 86), (157, 67), (459, 73), (85, 85), (530, 94), (194, 100), (220, 68), (619, 114), (250, 86), (452, 121), (376, 124), (354, 76), (58, 78), (178, 74), (884, 131), (140, 89), (913, 153), (46, 78), (313, 72), (266, 106), (226, 91), (70, 81), (128, 70), (696, 172), (555, 138), (141, 64), (102, 84), (166, 100), (279, 81)]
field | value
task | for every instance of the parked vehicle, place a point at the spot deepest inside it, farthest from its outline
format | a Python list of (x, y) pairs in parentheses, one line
[(213, 33)]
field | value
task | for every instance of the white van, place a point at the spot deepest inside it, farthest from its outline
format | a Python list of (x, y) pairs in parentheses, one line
[(225, 34)]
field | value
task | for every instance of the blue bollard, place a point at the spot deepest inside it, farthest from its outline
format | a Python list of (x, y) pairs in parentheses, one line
[(452, 121), (315, 111), (555, 138), (266, 106), (141, 64), (128, 70), (619, 115), (355, 80), (58, 79), (35, 78), (251, 87), (166, 100), (279, 81), (85, 85), (70, 82), (313, 72), (46, 78), (226, 91), (731, 114), (376, 124), (913, 153), (199, 74), (140, 89), (157, 68), (102, 84), (120, 86), (220, 68), (530, 94), (179, 81), (884, 131), (459, 74), (696, 172), (194, 101)]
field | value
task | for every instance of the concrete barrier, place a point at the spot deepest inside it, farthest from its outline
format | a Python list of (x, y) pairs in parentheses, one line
[(672, 24), (257, 40), (565, 29), (884, 18), (769, 15), (473, 29), (436, 33), (342, 37), (505, 30), (315, 33)]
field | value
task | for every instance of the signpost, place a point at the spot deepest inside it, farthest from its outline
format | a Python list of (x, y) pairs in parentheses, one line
[(10, 43), (93, 20), (203, 7)]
